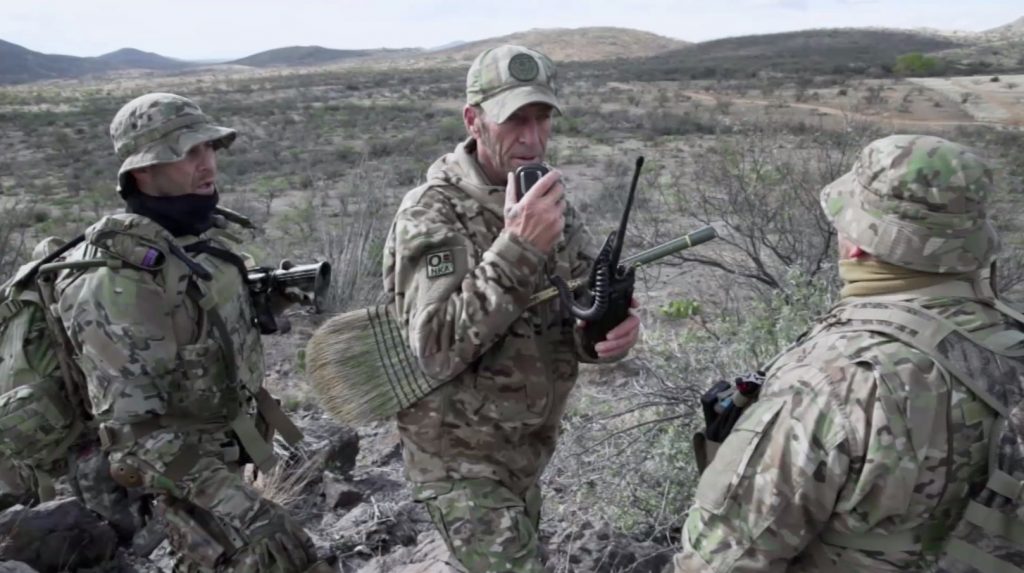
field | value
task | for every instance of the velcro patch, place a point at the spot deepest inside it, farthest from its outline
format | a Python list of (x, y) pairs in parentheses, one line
[(440, 263)]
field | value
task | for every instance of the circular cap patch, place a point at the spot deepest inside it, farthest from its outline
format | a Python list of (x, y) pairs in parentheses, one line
[(523, 67)]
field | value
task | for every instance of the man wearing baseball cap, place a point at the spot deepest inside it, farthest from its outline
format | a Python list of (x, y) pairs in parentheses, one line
[(462, 259), (872, 432), (163, 332)]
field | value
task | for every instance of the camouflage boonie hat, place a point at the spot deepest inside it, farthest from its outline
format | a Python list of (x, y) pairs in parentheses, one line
[(161, 128), (504, 79), (918, 202)]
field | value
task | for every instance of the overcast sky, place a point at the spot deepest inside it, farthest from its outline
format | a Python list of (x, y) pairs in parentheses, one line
[(209, 29)]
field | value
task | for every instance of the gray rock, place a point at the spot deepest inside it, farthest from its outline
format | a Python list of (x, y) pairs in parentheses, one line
[(342, 451), (369, 529), (60, 535), (430, 555), (340, 494), (15, 567)]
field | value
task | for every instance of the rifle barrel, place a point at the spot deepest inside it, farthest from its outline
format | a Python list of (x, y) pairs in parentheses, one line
[(702, 235)]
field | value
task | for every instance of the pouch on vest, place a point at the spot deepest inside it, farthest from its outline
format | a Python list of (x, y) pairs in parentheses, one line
[(722, 405)]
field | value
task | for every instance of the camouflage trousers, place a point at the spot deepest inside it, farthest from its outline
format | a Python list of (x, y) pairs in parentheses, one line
[(216, 520), (487, 527), (89, 477)]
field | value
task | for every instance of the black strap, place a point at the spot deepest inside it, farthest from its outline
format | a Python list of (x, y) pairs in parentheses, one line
[(60, 252), (192, 264), (223, 254)]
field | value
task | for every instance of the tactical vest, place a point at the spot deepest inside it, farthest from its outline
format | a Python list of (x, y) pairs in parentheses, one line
[(218, 381), (989, 538)]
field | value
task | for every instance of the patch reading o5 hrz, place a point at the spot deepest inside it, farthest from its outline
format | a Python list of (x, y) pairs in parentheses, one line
[(440, 264)]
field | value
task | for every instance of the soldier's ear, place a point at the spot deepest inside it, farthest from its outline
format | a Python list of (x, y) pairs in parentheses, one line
[(471, 118), (142, 176)]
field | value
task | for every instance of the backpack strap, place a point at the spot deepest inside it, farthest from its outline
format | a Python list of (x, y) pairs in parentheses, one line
[(929, 333), (45, 280), (255, 444)]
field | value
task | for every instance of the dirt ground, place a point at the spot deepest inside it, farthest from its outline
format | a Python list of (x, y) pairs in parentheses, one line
[(987, 101), (930, 103)]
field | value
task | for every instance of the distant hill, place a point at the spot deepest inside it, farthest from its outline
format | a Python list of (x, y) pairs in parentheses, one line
[(130, 58), (445, 46), (309, 56), (827, 51), (19, 64), (570, 44), (623, 52), (997, 50), (1013, 30)]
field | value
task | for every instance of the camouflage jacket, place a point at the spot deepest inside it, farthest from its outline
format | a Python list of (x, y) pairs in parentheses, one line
[(461, 288), (154, 363), (854, 433)]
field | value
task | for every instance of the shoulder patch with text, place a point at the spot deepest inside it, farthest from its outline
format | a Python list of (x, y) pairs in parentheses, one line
[(439, 264)]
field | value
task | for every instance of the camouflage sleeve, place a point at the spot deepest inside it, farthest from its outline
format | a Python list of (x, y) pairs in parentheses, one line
[(774, 482), (456, 307), (123, 336)]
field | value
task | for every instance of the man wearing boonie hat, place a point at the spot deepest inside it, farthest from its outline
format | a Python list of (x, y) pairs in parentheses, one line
[(872, 432), (164, 334), (462, 259)]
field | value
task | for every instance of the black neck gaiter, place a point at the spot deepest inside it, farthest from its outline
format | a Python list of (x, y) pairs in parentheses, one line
[(181, 215)]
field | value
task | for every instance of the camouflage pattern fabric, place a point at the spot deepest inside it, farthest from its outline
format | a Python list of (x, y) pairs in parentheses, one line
[(161, 128), (858, 435), (17, 484), (487, 528), (158, 380), (461, 287), (918, 202), (505, 78), (89, 477), (854, 432)]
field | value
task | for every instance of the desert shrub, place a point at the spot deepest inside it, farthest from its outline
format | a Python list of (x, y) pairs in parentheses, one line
[(628, 452), (918, 64)]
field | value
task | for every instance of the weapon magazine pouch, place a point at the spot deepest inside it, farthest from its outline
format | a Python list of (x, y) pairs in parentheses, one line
[(192, 532), (706, 441), (722, 406)]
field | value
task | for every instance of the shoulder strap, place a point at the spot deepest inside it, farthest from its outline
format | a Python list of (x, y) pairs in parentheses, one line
[(924, 330), (261, 452), (25, 279), (74, 378)]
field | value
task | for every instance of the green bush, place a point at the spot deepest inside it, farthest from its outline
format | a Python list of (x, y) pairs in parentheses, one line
[(918, 64)]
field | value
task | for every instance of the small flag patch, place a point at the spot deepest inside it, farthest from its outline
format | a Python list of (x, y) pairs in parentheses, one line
[(440, 264)]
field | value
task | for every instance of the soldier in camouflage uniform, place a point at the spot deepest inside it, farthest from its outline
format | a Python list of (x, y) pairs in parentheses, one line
[(461, 261), (862, 450), (164, 334)]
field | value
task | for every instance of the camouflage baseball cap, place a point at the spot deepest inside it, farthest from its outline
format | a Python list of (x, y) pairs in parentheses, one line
[(504, 79), (918, 202), (161, 128)]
